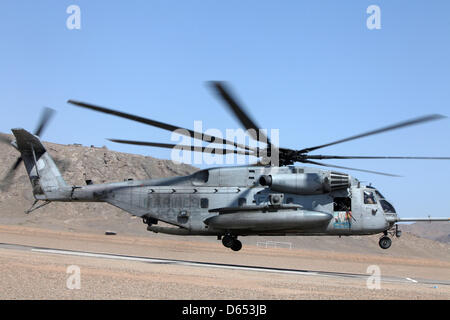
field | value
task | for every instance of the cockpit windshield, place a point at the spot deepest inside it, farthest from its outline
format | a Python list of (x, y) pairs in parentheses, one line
[(387, 207), (379, 195)]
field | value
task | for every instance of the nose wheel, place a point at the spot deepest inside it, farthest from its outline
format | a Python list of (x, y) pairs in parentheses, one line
[(230, 241), (385, 242)]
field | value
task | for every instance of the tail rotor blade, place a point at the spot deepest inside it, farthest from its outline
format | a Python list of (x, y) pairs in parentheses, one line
[(7, 179), (45, 117), (17, 163)]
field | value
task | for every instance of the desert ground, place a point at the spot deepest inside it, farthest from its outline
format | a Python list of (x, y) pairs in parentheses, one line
[(28, 271)]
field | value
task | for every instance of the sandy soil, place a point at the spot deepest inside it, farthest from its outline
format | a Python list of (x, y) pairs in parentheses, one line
[(32, 275)]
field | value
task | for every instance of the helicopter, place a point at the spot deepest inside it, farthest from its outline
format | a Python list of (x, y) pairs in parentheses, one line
[(268, 198)]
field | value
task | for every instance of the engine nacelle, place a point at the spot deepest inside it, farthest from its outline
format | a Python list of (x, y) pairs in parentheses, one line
[(305, 183)]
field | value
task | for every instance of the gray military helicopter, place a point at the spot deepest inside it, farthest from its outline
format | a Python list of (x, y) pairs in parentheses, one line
[(227, 202)]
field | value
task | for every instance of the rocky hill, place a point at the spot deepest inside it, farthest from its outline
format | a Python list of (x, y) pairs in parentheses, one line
[(438, 231)]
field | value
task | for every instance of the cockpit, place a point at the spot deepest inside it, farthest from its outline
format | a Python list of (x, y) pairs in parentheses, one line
[(387, 207)]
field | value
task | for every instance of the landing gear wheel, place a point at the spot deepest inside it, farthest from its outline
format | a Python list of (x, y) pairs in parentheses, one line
[(228, 241), (149, 220), (236, 246), (385, 242)]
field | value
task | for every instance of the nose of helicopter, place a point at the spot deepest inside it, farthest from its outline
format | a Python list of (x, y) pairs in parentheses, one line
[(389, 211)]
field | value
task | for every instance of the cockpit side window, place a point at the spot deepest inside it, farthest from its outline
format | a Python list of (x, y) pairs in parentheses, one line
[(369, 197)]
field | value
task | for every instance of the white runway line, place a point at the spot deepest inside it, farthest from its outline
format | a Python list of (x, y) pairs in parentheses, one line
[(213, 265), (185, 263), (340, 275), (412, 280)]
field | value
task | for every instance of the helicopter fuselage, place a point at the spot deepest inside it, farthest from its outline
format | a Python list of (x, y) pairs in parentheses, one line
[(249, 201)]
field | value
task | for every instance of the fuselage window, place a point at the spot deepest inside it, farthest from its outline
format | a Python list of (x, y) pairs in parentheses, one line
[(369, 197), (204, 203)]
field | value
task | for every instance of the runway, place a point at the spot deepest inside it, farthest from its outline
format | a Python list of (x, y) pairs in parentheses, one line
[(199, 264), (35, 264)]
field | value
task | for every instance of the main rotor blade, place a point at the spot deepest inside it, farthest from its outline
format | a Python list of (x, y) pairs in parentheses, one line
[(161, 125), (253, 129), (184, 147), (320, 157), (384, 129), (347, 168), (45, 117)]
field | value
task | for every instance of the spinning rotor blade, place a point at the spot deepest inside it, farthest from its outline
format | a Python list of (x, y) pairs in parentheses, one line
[(384, 129), (285, 156), (45, 117), (183, 147), (161, 125), (224, 93), (320, 157), (17, 163), (347, 168)]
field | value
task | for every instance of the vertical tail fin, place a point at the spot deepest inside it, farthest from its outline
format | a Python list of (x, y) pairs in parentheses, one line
[(45, 178)]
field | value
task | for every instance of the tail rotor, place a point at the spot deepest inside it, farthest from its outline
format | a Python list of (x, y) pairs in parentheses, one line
[(46, 115)]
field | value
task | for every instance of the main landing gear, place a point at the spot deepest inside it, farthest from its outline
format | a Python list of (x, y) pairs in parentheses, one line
[(386, 242), (230, 241), (149, 220)]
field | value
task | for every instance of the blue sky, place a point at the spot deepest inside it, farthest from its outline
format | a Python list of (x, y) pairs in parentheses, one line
[(309, 68)]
